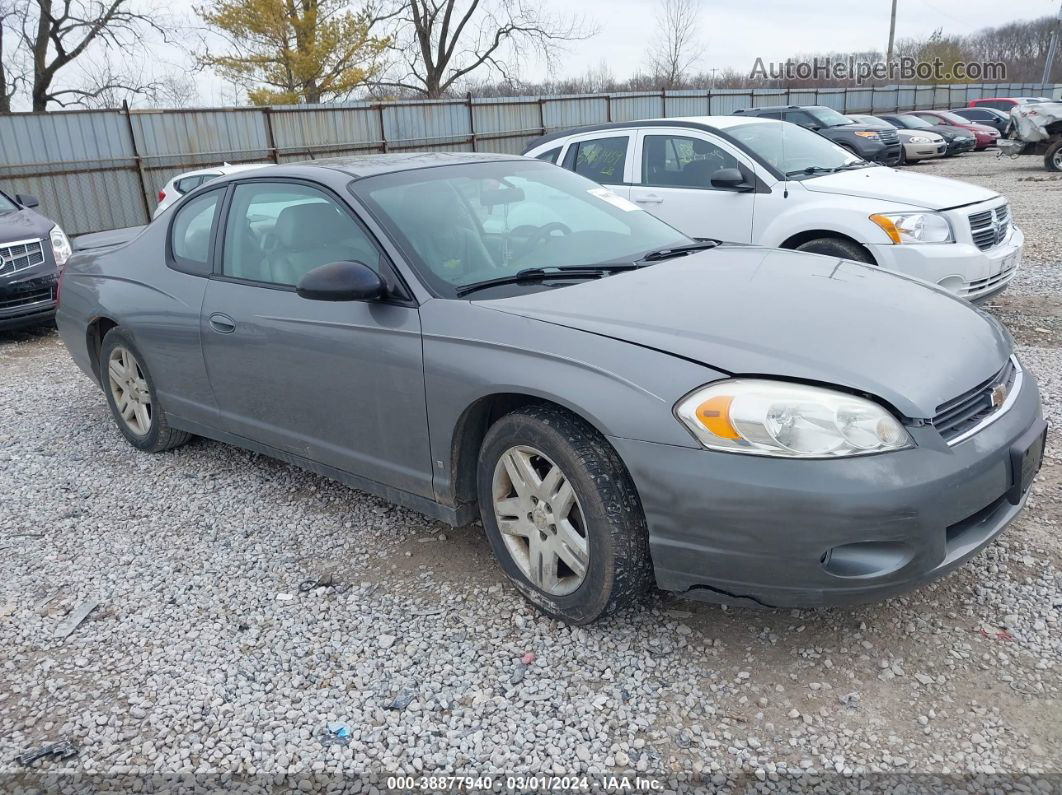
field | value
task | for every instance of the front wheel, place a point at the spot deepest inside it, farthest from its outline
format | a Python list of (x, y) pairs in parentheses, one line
[(130, 393), (562, 515), (1053, 156), (837, 247)]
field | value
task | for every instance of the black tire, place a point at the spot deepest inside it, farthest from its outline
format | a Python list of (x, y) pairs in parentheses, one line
[(837, 247), (619, 568), (1053, 156), (160, 436)]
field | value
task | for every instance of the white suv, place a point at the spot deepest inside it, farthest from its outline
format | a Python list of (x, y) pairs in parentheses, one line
[(766, 182)]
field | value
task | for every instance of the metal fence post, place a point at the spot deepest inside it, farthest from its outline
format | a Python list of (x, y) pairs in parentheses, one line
[(139, 162), (383, 129), (471, 121), (270, 140), (542, 114)]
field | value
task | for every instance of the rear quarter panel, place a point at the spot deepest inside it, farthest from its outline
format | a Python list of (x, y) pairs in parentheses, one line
[(159, 308)]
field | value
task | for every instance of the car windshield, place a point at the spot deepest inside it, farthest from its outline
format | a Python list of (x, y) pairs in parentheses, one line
[(913, 122), (954, 118), (828, 117), (793, 150), (873, 121), (6, 205), (468, 224)]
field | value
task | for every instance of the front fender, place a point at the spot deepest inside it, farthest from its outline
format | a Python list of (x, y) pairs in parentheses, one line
[(623, 390), (831, 213)]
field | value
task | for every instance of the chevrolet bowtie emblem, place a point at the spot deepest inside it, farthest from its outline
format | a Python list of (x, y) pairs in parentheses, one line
[(999, 394)]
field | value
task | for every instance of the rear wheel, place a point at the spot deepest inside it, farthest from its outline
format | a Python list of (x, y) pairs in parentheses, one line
[(1053, 157), (562, 515), (131, 395), (837, 247)]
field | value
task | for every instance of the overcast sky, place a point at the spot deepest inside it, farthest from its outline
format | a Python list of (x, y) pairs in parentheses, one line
[(735, 32)]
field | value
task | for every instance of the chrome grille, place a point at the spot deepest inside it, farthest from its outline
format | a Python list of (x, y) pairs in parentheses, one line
[(989, 227), (18, 256), (889, 136), (964, 413)]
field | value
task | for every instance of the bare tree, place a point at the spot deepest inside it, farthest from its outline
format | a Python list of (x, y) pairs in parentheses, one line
[(440, 44), (56, 33), (676, 48), (11, 76), (175, 90)]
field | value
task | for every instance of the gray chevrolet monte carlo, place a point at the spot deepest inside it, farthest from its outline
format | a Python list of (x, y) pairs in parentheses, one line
[(493, 337), (32, 249)]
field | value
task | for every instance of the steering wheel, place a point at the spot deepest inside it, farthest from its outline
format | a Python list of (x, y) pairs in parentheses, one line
[(538, 235)]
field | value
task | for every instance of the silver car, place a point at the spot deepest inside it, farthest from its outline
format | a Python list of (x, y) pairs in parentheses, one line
[(496, 338)]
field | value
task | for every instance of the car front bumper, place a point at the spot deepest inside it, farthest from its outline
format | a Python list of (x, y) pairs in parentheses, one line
[(29, 299), (957, 146), (751, 530), (962, 268), (924, 151)]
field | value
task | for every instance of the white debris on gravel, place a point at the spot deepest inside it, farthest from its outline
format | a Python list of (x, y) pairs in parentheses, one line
[(191, 663)]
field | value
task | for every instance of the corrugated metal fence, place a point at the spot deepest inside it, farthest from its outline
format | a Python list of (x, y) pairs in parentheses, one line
[(98, 170)]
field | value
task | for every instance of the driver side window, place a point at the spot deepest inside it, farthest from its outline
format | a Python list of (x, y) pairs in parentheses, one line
[(676, 161), (277, 232)]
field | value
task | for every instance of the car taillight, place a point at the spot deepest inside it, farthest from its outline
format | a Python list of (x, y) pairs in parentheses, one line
[(162, 196)]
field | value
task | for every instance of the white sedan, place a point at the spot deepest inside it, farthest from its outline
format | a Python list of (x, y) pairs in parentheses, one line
[(190, 180)]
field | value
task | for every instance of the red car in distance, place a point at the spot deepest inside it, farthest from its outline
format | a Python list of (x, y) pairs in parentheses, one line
[(1003, 103), (984, 136)]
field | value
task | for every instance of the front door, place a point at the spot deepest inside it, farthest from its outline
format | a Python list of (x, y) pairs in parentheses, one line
[(673, 181), (340, 383)]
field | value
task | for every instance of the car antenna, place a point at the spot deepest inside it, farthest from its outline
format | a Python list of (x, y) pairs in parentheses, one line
[(785, 168)]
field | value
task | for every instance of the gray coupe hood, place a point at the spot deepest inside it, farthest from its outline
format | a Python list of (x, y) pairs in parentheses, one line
[(755, 311)]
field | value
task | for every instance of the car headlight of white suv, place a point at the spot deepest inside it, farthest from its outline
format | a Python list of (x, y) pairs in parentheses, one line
[(778, 418), (922, 227)]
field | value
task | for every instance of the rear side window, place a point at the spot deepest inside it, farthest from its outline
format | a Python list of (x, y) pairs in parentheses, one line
[(191, 232), (550, 156), (601, 160)]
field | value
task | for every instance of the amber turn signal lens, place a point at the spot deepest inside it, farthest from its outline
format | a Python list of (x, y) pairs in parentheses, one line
[(889, 226), (714, 415)]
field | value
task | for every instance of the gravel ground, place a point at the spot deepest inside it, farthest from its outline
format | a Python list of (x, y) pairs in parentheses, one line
[(205, 657)]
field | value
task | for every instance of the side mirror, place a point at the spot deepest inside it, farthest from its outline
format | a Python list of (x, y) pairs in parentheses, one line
[(731, 179), (342, 281), (27, 200)]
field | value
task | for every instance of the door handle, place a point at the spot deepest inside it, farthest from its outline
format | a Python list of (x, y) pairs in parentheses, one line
[(222, 323), (650, 198)]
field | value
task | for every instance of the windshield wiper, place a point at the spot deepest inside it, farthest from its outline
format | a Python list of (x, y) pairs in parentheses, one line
[(809, 170), (528, 275), (678, 251), (847, 166)]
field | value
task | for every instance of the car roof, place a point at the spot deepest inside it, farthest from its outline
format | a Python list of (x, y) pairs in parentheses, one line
[(773, 108), (370, 165), (707, 123)]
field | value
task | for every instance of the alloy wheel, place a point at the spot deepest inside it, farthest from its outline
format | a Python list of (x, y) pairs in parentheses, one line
[(540, 520), (129, 388)]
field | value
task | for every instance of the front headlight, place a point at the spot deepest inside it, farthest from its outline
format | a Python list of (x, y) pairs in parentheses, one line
[(919, 139), (866, 134), (61, 248), (914, 227), (777, 418)]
